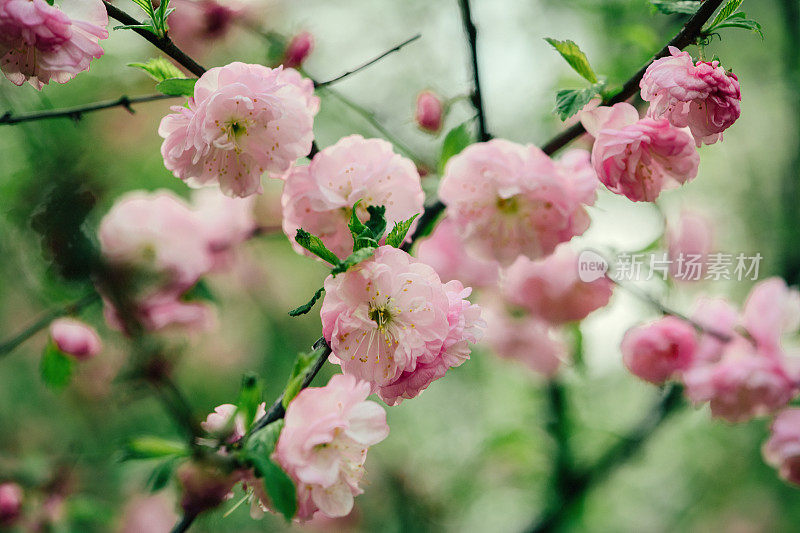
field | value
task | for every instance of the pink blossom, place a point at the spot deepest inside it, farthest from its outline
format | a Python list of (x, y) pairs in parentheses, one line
[(719, 319), (639, 158), (298, 49), (319, 197), (75, 338), (324, 442), (430, 112), (391, 316), (699, 95), (782, 450), (243, 120), (196, 23), (551, 290), (40, 42), (771, 310), (658, 351), (689, 240), (156, 239), (10, 503), (220, 422), (508, 200), (444, 252), (526, 339), (226, 222)]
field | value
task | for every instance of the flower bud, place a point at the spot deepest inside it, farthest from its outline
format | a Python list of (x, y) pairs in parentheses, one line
[(10, 503), (429, 112), (75, 338), (655, 352), (299, 48)]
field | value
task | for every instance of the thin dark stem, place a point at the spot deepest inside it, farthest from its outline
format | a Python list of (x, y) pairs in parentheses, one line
[(76, 307), (368, 63), (558, 427), (688, 35), (164, 44), (476, 98), (75, 113), (184, 523)]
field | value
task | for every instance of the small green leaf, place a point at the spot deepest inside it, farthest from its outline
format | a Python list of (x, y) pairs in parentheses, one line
[(56, 367), (399, 231), (159, 68), (456, 140), (177, 86), (745, 24), (280, 487), (146, 6), (302, 366), (250, 397), (151, 447), (575, 57), (671, 7), (726, 11), (314, 244), (263, 442), (161, 475), (377, 221), (200, 291), (367, 235), (147, 26), (569, 102), (353, 259), (306, 307)]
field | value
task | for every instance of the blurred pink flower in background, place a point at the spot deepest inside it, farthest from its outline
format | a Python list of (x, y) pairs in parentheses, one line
[(319, 197), (75, 338), (658, 351), (690, 236), (298, 49), (551, 289), (430, 112), (196, 24), (151, 514), (324, 442), (11, 496), (226, 222), (771, 310), (243, 120), (40, 42), (782, 450), (639, 158), (699, 95), (508, 200), (222, 422)]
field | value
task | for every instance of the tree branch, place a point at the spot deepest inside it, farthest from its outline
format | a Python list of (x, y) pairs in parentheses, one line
[(368, 63), (475, 97), (75, 113), (164, 44), (688, 35)]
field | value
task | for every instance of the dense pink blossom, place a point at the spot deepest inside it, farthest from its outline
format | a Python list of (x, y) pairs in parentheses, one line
[(639, 158), (689, 240), (551, 288), (225, 222), (298, 49), (195, 24), (324, 442), (75, 338), (508, 200), (243, 120), (220, 423), (444, 252), (430, 111), (392, 322), (702, 95), (659, 351), (158, 240), (40, 42), (782, 450), (319, 197), (10, 503)]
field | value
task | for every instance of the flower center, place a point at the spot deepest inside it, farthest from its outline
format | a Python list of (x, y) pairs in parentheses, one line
[(381, 316), (508, 206)]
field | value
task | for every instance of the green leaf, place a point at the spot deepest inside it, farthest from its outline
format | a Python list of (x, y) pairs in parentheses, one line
[(314, 244), (353, 259), (280, 487), (159, 68), (671, 7), (726, 11), (575, 57), (745, 24), (399, 232), (151, 447), (56, 367), (177, 86), (146, 26), (456, 140), (250, 397), (263, 442), (161, 475), (302, 366), (569, 102), (200, 291), (367, 235), (146, 6), (306, 307)]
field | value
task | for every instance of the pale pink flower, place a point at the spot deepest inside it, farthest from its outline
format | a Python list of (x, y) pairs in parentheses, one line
[(719, 319), (689, 241), (225, 222), (324, 442), (75, 338), (148, 514), (10, 503), (508, 200), (195, 24), (243, 120), (430, 111), (40, 42), (639, 158), (782, 450), (771, 310), (319, 197), (298, 49), (551, 289), (445, 253), (526, 339), (699, 95), (659, 351), (157, 240), (222, 422)]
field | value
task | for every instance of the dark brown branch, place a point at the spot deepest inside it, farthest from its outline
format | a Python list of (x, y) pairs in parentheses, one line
[(475, 97), (77, 112), (368, 63), (688, 35)]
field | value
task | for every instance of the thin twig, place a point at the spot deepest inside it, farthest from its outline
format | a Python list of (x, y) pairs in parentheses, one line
[(368, 63), (77, 112), (688, 35), (476, 98), (184, 523)]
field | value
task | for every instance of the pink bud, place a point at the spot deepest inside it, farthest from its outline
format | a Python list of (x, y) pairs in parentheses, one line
[(299, 48), (429, 112), (10, 503), (75, 338), (655, 352), (782, 450)]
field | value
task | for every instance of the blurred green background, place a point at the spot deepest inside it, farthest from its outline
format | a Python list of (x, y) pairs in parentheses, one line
[(473, 452)]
